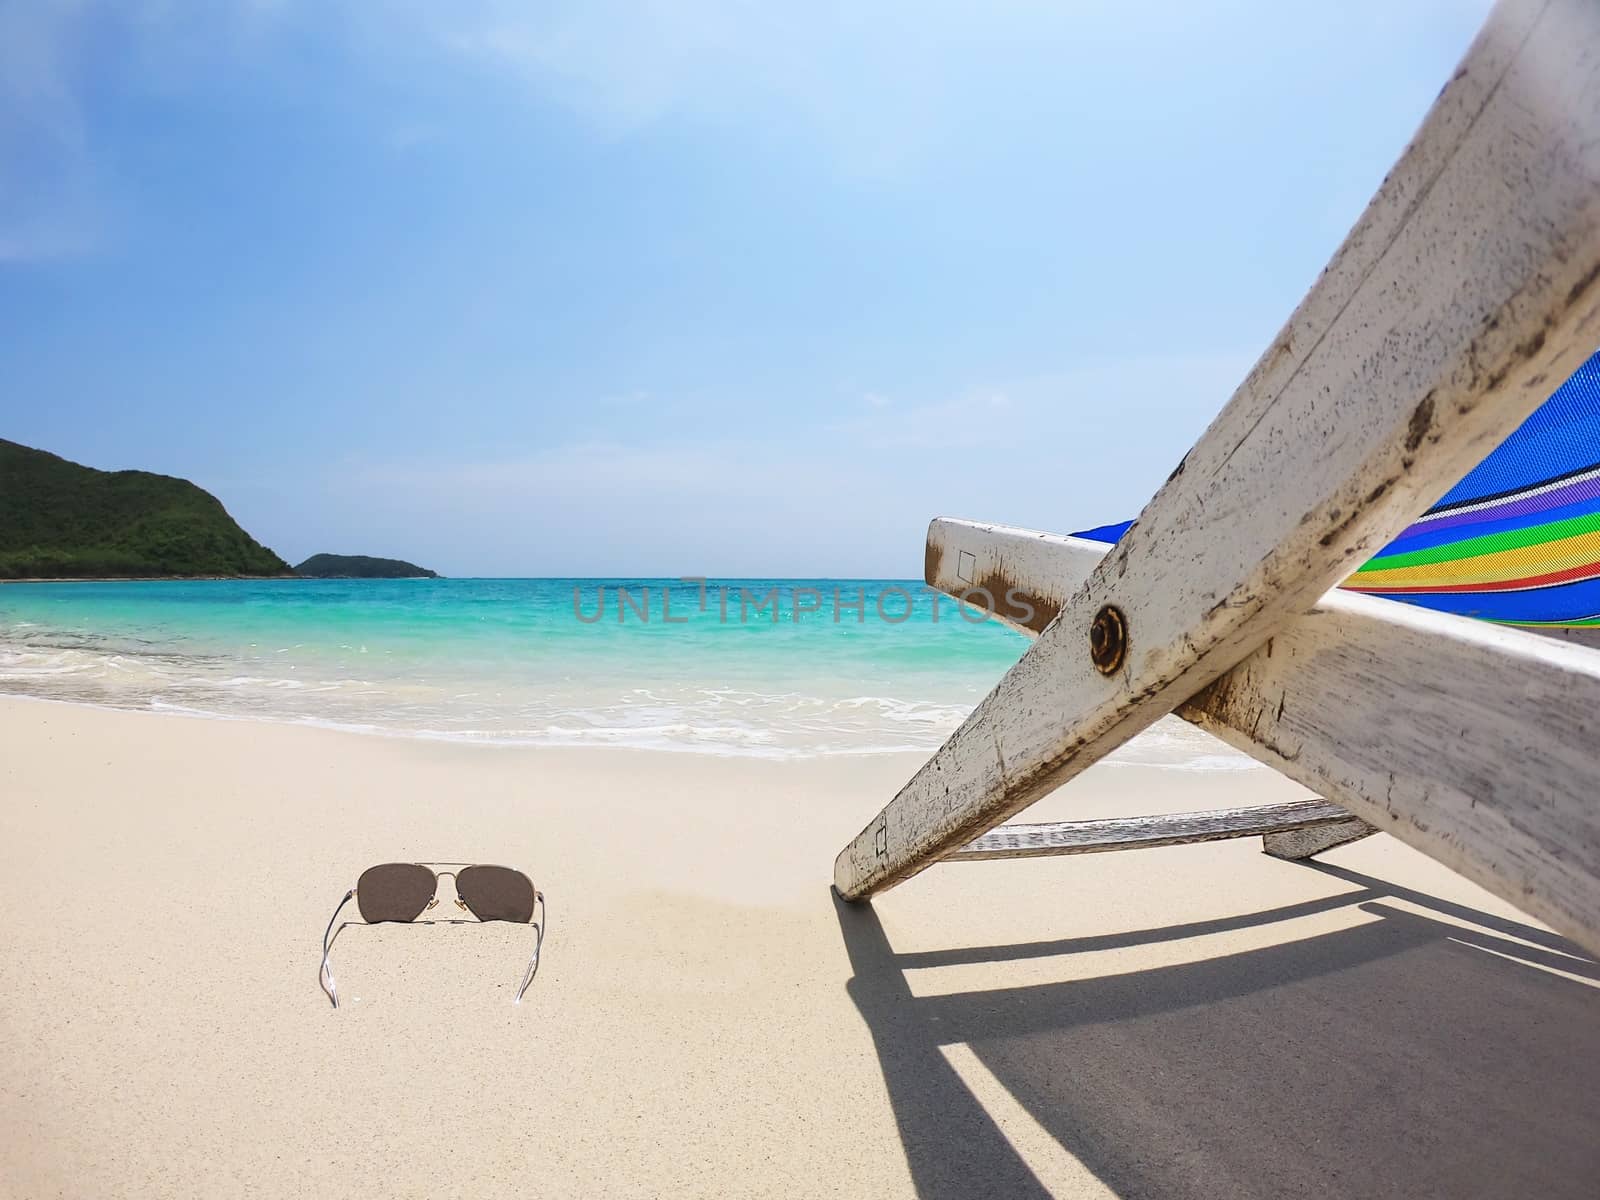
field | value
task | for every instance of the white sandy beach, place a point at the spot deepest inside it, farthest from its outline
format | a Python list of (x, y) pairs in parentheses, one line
[(1199, 1021)]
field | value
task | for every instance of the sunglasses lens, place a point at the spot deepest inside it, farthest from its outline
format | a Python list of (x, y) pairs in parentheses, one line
[(496, 893), (394, 892)]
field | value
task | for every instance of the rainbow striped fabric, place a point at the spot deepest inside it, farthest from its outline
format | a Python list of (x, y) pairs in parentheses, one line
[(1518, 540)]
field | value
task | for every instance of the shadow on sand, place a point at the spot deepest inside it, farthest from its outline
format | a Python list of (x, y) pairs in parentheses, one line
[(1407, 1056)]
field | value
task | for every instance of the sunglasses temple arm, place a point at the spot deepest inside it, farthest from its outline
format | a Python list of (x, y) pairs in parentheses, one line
[(538, 944), (325, 975)]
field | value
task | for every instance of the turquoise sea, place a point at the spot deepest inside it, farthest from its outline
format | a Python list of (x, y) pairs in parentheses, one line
[(778, 668)]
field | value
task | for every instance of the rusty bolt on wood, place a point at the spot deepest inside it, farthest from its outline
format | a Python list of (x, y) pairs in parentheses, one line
[(1108, 640)]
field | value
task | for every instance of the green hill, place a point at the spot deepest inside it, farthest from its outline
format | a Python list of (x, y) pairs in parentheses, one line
[(360, 566), (59, 520)]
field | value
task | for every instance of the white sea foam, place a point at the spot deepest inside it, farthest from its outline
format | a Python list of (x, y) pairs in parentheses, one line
[(568, 705)]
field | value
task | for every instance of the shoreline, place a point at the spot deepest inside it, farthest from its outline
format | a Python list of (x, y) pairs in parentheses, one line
[(485, 742), (707, 1019), (488, 741)]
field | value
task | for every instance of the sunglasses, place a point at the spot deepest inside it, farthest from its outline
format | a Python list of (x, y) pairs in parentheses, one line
[(404, 891)]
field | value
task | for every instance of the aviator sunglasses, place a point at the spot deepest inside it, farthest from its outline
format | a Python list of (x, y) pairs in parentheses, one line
[(404, 891)]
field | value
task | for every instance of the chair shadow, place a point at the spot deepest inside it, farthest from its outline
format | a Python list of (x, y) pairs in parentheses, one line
[(1403, 1056)]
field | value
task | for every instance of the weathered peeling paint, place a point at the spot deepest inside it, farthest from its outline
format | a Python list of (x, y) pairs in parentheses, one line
[(1470, 274)]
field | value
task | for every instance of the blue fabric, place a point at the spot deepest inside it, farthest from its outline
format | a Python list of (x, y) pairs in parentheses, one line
[(1539, 475), (1561, 436)]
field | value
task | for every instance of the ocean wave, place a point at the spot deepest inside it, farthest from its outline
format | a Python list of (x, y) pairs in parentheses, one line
[(495, 704)]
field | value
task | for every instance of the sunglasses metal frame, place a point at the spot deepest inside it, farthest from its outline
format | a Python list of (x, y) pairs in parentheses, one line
[(538, 920)]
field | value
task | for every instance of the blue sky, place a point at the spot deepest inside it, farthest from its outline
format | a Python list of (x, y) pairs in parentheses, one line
[(677, 287)]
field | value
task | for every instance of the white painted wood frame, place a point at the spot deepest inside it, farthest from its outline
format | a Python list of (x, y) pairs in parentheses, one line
[(1477, 744), (1168, 829), (1461, 298), (1308, 841)]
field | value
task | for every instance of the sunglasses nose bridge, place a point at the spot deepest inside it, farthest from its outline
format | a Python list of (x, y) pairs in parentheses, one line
[(454, 886)]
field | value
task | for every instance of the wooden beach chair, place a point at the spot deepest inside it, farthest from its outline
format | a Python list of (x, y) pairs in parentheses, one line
[(1467, 293)]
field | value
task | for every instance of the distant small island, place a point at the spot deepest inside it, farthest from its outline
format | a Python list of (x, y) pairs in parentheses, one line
[(62, 520), (360, 566)]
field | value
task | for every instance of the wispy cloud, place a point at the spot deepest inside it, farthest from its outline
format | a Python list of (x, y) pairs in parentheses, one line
[(624, 65), (47, 200), (819, 497), (412, 135), (619, 67), (57, 185), (976, 418), (611, 467), (1094, 403), (606, 507)]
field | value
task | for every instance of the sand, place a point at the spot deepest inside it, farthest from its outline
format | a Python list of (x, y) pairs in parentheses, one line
[(707, 1021)]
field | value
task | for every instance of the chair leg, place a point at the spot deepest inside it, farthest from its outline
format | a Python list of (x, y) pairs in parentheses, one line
[(1296, 844)]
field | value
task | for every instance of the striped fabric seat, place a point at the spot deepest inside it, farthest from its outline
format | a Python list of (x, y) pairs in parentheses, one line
[(1518, 540)]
